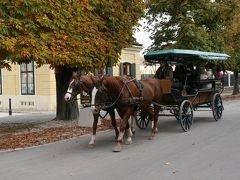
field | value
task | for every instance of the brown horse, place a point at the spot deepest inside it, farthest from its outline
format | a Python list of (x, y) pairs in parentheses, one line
[(128, 96), (79, 83)]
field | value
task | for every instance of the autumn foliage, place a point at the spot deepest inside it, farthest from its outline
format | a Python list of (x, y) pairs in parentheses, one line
[(84, 34)]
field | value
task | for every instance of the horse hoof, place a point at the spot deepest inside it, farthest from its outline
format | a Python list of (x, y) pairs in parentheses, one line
[(128, 142), (151, 137), (91, 145), (117, 148)]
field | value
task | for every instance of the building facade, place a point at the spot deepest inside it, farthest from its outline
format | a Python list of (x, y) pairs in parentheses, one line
[(27, 88)]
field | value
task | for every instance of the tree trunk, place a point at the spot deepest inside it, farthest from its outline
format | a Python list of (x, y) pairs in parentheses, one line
[(65, 110), (236, 83)]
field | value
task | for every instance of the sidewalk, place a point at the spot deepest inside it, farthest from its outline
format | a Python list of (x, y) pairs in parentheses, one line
[(31, 117), (85, 118)]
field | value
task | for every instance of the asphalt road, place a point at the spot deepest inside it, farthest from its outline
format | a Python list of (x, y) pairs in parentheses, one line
[(210, 151)]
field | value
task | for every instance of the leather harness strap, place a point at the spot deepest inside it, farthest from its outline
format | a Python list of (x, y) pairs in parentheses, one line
[(139, 85)]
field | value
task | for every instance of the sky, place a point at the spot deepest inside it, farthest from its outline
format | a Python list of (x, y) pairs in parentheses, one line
[(142, 36)]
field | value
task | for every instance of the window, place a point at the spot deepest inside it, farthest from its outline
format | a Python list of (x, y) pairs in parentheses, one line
[(128, 69), (109, 70), (27, 79), (0, 81)]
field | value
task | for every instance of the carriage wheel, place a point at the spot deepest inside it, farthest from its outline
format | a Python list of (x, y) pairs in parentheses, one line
[(186, 115), (142, 119), (217, 106)]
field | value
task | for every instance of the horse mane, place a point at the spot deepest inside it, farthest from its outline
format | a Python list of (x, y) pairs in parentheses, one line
[(113, 82), (87, 83)]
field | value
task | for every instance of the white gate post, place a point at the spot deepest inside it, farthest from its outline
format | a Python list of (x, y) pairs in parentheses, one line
[(229, 79)]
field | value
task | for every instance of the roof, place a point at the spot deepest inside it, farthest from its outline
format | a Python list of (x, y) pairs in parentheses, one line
[(182, 55)]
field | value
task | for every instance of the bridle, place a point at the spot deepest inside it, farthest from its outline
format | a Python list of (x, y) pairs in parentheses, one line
[(78, 86)]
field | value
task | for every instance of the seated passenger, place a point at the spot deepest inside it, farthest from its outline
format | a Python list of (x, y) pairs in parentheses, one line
[(191, 72), (209, 71), (191, 83), (179, 74), (204, 75), (219, 74), (164, 71)]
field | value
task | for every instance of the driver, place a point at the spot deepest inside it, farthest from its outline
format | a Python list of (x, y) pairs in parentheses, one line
[(164, 71)]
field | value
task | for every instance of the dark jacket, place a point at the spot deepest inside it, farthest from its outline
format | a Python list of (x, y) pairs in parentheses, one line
[(164, 73)]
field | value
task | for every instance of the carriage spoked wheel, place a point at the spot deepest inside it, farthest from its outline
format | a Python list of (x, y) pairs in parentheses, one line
[(186, 115), (217, 106), (142, 119)]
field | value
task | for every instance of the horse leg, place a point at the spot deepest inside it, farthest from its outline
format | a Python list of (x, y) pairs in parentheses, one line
[(129, 133), (124, 125), (114, 123), (132, 121), (155, 119), (152, 125), (151, 117), (94, 129), (118, 146)]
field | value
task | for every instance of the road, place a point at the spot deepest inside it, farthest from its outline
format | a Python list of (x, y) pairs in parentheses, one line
[(210, 151)]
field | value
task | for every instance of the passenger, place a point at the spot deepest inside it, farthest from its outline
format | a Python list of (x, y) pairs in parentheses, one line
[(190, 68), (164, 71), (191, 72), (209, 71), (179, 74), (219, 72), (203, 73), (191, 79)]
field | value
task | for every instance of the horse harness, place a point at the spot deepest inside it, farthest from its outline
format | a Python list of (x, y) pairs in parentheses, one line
[(132, 100)]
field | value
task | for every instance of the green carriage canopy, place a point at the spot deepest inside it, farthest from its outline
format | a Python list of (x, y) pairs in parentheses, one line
[(182, 55)]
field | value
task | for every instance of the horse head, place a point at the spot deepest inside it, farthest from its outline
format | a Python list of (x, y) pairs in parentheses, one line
[(98, 82), (87, 84), (74, 88), (101, 98)]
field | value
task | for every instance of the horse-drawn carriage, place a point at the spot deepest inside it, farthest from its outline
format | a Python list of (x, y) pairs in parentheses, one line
[(145, 99), (182, 98)]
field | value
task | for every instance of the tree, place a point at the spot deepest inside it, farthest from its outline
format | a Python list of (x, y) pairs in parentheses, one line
[(198, 25), (67, 34), (232, 36), (184, 24)]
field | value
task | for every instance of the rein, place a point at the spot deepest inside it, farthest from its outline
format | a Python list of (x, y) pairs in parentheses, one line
[(112, 104), (84, 87), (108, 105)]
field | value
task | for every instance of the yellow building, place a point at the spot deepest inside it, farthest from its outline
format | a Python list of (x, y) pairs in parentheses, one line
[(34, 89)]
